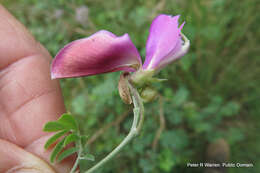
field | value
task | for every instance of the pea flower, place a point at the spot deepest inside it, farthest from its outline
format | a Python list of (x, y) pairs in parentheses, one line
[(105, 52)]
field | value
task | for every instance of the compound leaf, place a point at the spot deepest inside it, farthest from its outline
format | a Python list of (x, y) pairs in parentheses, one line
[(66, 153), (68, 121), (70, 138), (57, 149), (54, 138), (53, 126)]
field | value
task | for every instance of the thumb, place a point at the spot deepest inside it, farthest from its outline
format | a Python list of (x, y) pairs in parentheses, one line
[(14, 159)]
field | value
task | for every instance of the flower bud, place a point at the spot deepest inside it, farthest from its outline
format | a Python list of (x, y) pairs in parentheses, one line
[(148, 94)]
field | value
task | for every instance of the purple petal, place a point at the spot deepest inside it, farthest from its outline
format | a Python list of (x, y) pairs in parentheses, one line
[(100, 53), (164, 42)]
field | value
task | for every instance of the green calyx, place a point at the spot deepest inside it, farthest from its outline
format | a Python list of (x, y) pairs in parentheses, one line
[(142, 78)]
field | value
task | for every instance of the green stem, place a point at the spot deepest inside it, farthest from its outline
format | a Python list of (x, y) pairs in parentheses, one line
[(76, 163), (79, 154), (138, 117), (138, 103)]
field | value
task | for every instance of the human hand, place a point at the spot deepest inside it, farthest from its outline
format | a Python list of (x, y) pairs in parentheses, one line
[(28, 99)]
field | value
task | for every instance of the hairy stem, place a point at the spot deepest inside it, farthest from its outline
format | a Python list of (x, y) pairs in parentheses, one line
[(79, 154), (136, 126), (76, 163)]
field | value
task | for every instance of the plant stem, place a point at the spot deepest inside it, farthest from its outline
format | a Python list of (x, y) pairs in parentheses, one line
[(136, 126), (76, 163), (79, 154)]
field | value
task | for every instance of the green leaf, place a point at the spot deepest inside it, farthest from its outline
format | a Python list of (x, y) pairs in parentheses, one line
[(57, 149), (66, 153), (53, 126), (70, 138), (68, 121), (88, 157), (54, 138)]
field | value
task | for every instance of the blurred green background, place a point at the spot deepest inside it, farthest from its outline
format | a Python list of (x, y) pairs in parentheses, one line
[(213, 92)]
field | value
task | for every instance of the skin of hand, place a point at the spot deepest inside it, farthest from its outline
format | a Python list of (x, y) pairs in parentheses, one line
[(28, 99)]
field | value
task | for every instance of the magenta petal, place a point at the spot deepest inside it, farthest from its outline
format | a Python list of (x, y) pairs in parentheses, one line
[(100, 53), (164, 42)]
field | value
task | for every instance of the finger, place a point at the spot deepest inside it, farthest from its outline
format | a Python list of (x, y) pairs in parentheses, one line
[(28, 97), (15, 159), (38, 148)]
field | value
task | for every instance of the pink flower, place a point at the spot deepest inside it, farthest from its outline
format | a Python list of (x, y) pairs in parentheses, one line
[(105, 52)]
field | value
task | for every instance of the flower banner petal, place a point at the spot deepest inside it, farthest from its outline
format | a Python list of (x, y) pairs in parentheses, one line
[(100, 53), (164, 39)]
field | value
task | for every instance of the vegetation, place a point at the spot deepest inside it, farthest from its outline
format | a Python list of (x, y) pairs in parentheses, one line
[(212, 92)]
